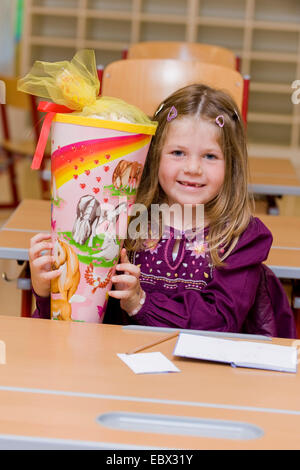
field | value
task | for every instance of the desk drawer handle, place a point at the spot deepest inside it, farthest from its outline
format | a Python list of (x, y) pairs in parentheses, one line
[(165, 424)]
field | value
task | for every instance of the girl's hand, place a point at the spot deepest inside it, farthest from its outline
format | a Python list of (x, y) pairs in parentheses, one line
[(128, 288), (41, 264)]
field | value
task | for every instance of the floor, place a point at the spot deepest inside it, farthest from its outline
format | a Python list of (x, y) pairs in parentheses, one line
[(29, 188)]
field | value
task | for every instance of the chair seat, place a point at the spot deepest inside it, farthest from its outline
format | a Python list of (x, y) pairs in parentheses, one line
[(23, 147)]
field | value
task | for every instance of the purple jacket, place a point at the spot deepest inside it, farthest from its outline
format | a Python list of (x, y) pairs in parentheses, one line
[(189, 293)]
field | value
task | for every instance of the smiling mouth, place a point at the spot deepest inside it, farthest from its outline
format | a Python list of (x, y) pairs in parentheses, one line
[(190, 184)]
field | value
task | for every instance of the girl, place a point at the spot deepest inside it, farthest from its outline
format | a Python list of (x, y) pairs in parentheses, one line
[(210, 279), (208, 282)]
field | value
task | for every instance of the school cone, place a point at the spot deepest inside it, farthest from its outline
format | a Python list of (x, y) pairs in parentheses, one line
[(96, 167)]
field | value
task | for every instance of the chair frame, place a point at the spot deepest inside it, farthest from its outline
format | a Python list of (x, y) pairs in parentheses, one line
[(207, 53), (167, 75), (28, 103)]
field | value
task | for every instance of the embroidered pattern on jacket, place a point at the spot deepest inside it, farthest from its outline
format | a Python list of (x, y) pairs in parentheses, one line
[(173, 282)]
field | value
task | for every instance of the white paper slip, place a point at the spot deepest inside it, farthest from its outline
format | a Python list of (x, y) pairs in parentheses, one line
[(238, 353), (148, 363)]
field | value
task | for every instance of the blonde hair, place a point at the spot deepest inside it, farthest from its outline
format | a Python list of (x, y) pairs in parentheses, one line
[(230, 211)]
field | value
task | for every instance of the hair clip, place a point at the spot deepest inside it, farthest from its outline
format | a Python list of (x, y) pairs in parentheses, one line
[(159, 109), (172, 114), (220, 120)]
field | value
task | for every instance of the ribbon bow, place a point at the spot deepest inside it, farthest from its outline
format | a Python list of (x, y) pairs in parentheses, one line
[(51, 109)]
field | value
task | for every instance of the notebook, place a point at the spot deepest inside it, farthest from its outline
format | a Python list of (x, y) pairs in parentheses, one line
[(237, 353)]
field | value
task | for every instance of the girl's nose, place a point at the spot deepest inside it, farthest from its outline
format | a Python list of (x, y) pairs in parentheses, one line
[(193, 166)]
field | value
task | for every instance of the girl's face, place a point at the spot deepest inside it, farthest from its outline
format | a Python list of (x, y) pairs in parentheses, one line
[(192, 165)]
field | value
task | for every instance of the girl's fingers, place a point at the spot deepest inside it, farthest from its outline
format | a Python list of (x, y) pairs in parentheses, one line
[(123, 260), (124, 278), (120, 294), (40, 262), (49, 275), (130, 268), (39, 237), (124, 257), (35, 250)]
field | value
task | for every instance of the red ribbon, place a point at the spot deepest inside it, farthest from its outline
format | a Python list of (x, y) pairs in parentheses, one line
[(51, 109)]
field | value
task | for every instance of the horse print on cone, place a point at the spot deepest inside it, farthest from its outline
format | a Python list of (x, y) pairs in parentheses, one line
[(95, 173)]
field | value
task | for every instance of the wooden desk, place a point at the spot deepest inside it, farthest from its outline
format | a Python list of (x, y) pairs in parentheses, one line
[(273, 177), (31, 216), (284, 257), (61, 376)]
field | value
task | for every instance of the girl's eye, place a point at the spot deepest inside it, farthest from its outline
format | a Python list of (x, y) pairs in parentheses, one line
[(210, 156), (177, 153)]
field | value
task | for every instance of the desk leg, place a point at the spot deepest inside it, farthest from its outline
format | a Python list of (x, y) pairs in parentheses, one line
[(26, 303), (273, 208), (24, 283)]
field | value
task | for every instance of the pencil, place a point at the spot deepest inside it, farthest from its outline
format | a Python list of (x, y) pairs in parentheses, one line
[(153, 343)]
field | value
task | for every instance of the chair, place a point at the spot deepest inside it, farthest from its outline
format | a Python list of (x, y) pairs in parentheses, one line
[(271, 313), (12, 148), (147, 82), (207, 53), (296, 304), (2, 92), (183, 50)]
